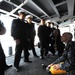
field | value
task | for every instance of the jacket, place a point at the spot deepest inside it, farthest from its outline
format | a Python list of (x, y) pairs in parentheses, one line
[(31, 30), (19, 29), (43, 33)]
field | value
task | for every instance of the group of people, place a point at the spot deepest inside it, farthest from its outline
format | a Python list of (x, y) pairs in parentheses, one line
[(50, 39), (68, 57), (23, 33)]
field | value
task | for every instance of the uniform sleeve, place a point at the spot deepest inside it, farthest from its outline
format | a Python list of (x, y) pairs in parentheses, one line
[(34, 32), (14, 30), (70, 64), (2, 28), (39, 34), (68, 58), (61, 59)]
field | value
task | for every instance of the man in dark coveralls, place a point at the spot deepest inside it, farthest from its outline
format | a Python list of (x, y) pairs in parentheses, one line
[(19, 33)]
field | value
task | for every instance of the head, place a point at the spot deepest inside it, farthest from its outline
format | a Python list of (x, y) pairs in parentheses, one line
[(29, 18), (42, 21), (55, 33), (48, 24), (21, 14), (52, 24), (66, 37)]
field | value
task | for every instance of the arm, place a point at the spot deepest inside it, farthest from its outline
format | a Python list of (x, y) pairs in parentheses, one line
[(61, 59), (3, 31), (14, 30), (69, 64), (39, 35), (34, 32), (2, 28)]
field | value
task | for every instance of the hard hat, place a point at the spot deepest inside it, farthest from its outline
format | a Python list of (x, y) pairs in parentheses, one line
[(21, 11), (48, 21), (29, 16)]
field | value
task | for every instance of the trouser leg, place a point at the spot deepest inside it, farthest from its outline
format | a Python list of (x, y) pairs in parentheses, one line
[(52, 50), (42, 52), (32, 47), (33, 50), (26, 54), (2, 61), (2, 65), (2, 55), (46, 49), (17, 55), (2, 72)]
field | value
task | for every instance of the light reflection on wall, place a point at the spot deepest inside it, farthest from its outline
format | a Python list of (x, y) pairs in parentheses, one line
[(6, 40)]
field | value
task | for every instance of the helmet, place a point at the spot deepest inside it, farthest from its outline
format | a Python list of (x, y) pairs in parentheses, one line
[(21, 12), (29, 16), (48, 21)]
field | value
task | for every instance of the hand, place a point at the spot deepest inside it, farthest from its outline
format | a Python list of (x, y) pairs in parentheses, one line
[(17, 41), (56, 66), (49, 66)]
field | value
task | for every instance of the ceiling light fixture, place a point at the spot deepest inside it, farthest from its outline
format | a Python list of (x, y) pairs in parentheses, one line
[(1, 0)]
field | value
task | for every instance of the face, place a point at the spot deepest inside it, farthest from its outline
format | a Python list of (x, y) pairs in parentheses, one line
[(21, 16), (42, 22), (64, 38), (48, 24), (55, 33), (29, 20)]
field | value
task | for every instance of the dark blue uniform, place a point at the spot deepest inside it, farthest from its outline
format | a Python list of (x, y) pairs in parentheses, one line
[(44, 39), (19, 31), (31, 37)]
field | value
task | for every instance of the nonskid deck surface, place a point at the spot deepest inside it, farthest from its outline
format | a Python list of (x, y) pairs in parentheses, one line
[(34, 68)]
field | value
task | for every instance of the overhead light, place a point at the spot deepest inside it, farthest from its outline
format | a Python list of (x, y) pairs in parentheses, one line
[(1, 0)]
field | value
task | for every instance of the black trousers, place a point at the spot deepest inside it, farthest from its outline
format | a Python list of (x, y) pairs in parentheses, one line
[(44, 45), (23, 45), (31, 43), (51, 48), (2, 61)]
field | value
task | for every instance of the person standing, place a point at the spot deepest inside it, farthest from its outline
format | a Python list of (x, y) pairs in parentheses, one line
[(52, 38), (43, 37), (3, 65), (31, 34), (48, 24), (19, 33)]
